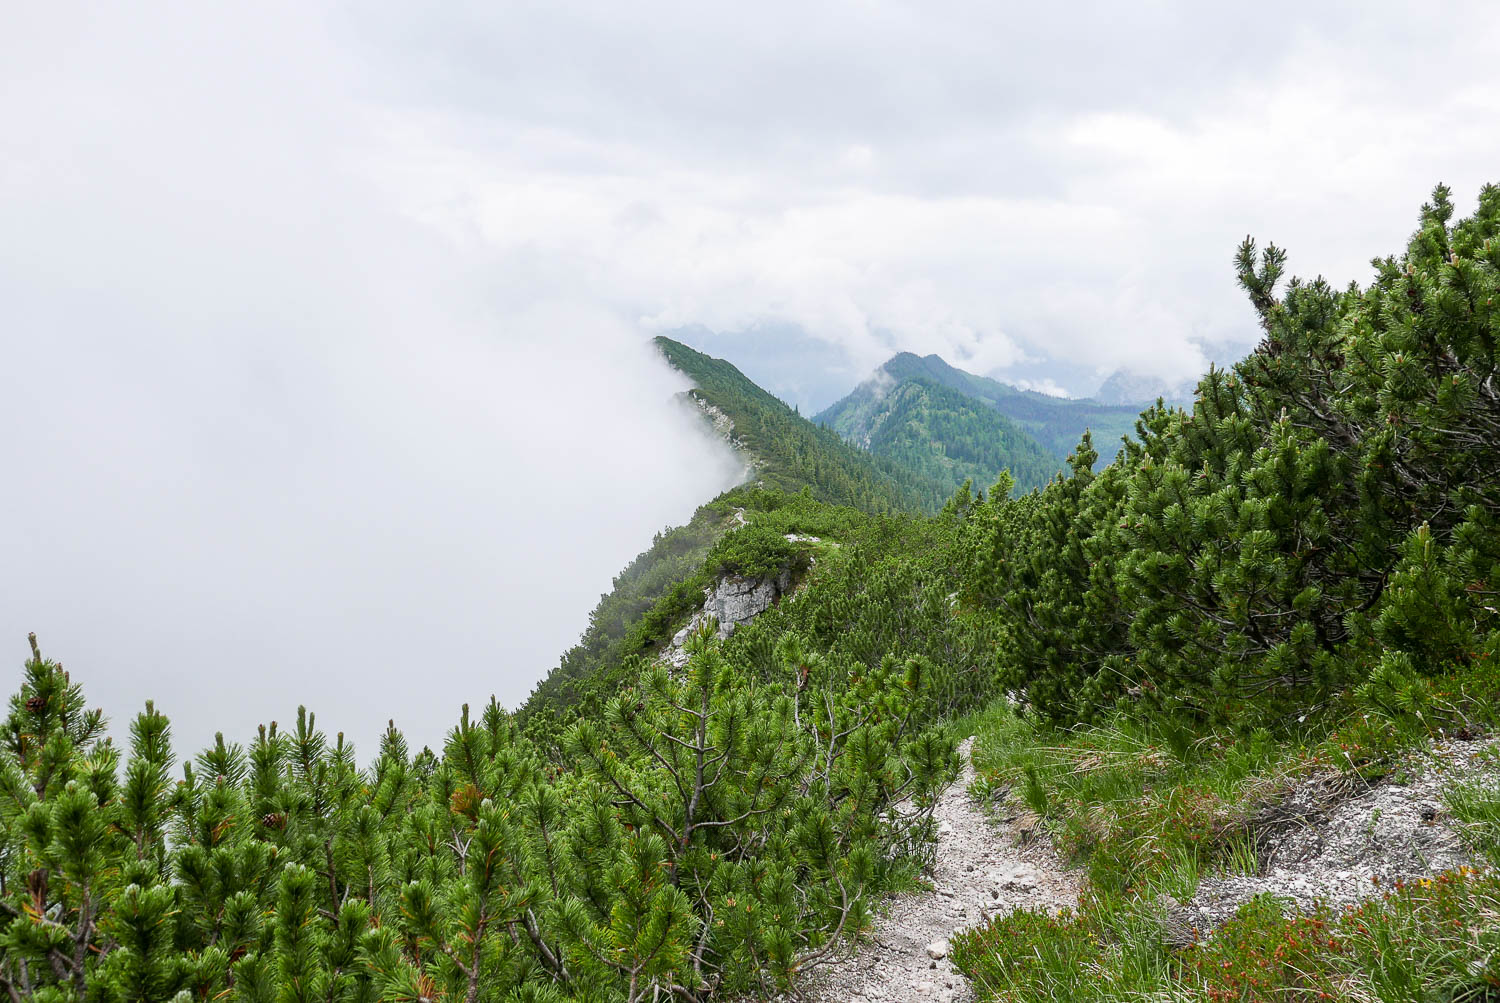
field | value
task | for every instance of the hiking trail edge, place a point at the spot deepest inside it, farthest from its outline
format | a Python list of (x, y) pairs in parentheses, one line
[(978, 871)]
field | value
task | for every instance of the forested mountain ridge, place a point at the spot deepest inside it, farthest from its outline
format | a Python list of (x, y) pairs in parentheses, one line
[(791, 453), (786, 455), (1056, 423), (646, 601), (932, 429), (1295, 580)]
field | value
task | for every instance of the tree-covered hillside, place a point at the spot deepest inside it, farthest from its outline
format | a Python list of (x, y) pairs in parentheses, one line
[(1055, 422), (788, 455), (643, 607), (791, 452), (944, 434), (1296, 578), (659, 591)]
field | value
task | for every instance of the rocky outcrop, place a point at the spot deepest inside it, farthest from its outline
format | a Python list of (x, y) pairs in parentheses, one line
[(676, 653), (735, 600), (1334, 842), (723, 427), (722, 424), (732, 602)]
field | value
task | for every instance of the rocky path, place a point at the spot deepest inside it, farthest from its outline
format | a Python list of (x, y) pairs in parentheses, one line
[(1327, 843), (979, 871)]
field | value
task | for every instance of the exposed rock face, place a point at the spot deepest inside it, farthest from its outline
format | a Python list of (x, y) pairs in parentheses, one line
[(733, 601), (676, 654), (722, 424), (723, 427)]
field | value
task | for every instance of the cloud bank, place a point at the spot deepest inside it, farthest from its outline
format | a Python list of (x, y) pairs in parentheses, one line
[(1044, 192), (268, 440), (323, 323)]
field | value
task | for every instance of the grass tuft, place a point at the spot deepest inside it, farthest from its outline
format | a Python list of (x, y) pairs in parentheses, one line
[(1150, 811), (1476, 809)]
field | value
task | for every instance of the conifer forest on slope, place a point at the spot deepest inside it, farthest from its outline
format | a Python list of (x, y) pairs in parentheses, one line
[(1052, 423), (1314, 542)]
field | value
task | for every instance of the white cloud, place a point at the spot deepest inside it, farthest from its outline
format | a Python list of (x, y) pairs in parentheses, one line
[(272, 442), (1042, 386), (325, 321), (859, 157), (943, 181)]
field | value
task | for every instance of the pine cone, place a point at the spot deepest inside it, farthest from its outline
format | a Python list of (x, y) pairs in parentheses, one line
[(275, 820)]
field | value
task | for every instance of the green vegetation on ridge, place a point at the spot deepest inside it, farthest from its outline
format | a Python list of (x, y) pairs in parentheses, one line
[(792, 453), (945, 435), (1299, 572), (1054, 422), (663, 587), (802, 476), (1297, 576)]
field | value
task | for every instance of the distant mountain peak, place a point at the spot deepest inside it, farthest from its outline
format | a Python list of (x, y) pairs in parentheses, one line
[(790, 452), (1126, 386), (1056, 423)]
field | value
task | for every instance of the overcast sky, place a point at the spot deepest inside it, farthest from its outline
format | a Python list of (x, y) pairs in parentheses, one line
[(323, 326)]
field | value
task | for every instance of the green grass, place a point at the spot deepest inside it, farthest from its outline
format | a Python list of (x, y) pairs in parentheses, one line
[(1148, 812), (1476, 809), (1142, 810), (1431, 940)]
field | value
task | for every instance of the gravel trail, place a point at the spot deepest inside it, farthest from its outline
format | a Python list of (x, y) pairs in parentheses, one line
[(980, 870)]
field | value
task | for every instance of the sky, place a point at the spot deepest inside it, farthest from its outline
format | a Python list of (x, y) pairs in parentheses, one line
[(324, 325)]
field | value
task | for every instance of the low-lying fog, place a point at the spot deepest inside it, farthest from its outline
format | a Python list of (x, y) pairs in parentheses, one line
[(268, 442), (324, 324)]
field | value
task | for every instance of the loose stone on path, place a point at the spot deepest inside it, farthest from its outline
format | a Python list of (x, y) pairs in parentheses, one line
[(978, 872)]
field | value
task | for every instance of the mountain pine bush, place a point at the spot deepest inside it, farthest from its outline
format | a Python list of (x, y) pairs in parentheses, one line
[(1332, 497), (705, 837), (1317, 534)]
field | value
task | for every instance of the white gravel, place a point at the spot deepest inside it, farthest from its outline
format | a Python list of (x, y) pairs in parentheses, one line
[(1342, 850), (978, 871), (1356, 847)]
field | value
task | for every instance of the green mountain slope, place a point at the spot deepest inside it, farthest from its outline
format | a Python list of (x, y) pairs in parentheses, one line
[(640, 611), (920, 443), (1273, 615), (792, 453), (662, 587), (657, 592), (1056, 423), (944, 434)]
